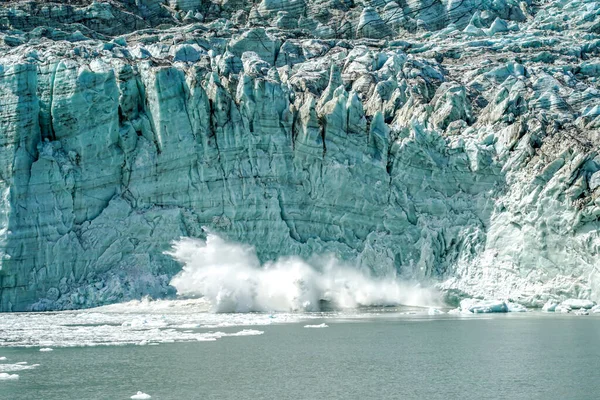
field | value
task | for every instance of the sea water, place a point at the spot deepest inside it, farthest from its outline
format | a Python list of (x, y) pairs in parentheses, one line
[(176, 351)]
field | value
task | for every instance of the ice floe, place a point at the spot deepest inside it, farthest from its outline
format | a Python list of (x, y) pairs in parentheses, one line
[(578, 303), (20, 366), (140, 396), (133, 323), (477, 306), (317, 326), (8, 377), (581, 311), (46, 349), (434, 311)]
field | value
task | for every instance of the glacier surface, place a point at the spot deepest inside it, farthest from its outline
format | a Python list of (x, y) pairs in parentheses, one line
[(449, 143)]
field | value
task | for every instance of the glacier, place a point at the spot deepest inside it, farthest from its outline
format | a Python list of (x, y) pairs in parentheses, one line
[(451, 143)]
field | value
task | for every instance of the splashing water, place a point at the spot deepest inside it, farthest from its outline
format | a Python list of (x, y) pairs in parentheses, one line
[(231, 277)]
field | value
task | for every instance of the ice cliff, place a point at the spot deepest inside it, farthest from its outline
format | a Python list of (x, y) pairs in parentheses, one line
[(449, 142)]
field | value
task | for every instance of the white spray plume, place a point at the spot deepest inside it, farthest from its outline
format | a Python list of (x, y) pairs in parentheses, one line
[(232, 278)]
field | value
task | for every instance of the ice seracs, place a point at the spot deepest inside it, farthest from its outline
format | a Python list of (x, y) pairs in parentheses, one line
[(453, 143)]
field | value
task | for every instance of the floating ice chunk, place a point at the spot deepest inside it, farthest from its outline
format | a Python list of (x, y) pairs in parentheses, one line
[(578, 303), (246, 332), (582, 311), (515, 307), (562, 309), (8, 377), (455, 311), (2, 358), (434, 311), (21, 366), (483, 306), (140, 396), (550, 306), (46, 349), (323, 325), (596, 309)]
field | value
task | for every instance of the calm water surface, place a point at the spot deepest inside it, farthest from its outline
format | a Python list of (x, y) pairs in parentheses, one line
[(391, 357)]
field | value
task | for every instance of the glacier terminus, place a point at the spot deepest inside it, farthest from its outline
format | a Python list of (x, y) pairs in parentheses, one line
[(445, 142)]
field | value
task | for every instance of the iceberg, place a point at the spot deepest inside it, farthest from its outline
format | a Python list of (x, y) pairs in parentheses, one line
[(515, 307), (562, 309), (434, 311), (477, 306)]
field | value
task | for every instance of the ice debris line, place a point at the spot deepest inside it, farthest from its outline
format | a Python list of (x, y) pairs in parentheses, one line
[(6, 368), (451, 143)]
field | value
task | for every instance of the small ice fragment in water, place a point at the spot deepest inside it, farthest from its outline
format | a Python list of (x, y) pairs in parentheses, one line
[(2, 358), (515, 307), (562, 309), (434, 311), (8, 377), (483, 306), (140, 396), (323, 325), (550, 306), (45, 349), (595, 309), (582, 311), (578, 303)]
